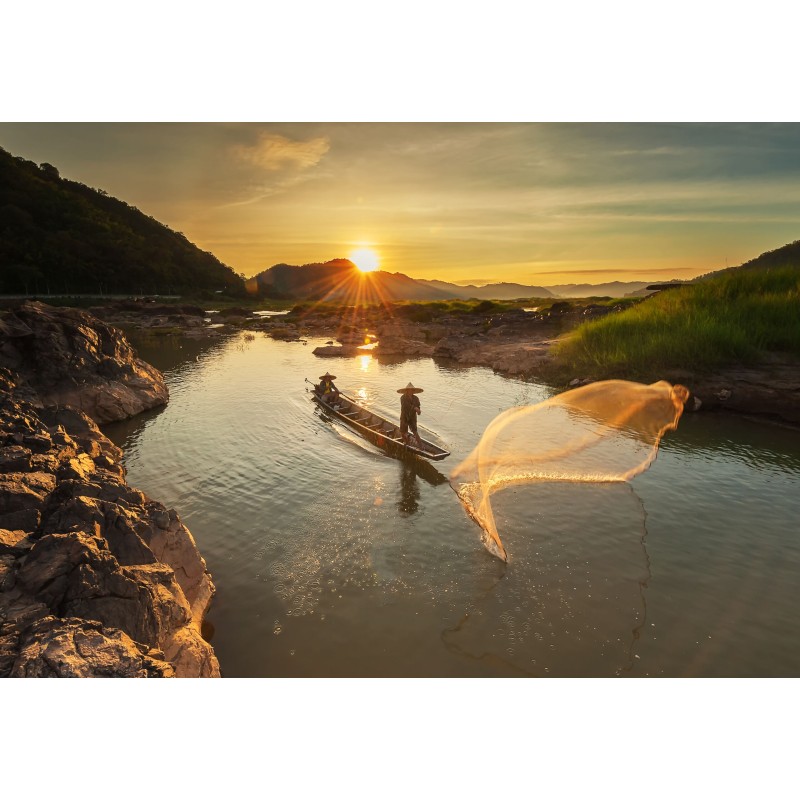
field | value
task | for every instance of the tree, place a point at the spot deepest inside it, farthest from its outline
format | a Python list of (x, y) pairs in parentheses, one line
[(49, 170)]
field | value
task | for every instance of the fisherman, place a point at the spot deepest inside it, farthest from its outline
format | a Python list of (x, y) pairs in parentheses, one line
[(409, 410), (327, 390)]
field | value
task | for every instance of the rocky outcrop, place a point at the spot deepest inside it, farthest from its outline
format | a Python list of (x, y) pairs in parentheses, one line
[(64, 356), (96, 579), (524, 357), (402, 338), (770, 390), (411, 348)]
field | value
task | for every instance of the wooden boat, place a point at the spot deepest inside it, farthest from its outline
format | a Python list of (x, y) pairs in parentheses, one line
[(377, 429)]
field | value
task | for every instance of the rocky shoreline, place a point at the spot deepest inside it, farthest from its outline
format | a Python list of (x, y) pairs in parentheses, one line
[(96, 579), (513, 343)]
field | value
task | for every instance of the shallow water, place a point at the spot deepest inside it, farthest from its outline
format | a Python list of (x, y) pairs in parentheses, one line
[(332, 559)]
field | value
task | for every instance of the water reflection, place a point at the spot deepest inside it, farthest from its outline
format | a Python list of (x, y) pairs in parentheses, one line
[(179, 359), (169, 353), (408, 501)]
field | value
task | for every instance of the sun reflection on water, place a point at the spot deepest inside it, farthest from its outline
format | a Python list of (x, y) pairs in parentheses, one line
[(365, 362)]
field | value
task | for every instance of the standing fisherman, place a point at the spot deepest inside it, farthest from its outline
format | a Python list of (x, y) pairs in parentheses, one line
[(409, 410)]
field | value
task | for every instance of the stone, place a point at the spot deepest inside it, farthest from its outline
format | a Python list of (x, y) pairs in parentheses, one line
[(78, 468), (72, 358), (345, 350), (81, 590), (74, 648), (403, 347), (26, 519), (15, 458), (14, 543)]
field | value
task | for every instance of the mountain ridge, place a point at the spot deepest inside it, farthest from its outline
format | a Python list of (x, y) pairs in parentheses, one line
[(61, 235), (340, 279)]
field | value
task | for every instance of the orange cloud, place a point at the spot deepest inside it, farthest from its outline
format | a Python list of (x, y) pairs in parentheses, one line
[(274, 151)]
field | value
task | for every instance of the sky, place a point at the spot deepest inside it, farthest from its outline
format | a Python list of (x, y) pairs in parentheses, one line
[(535, 203)]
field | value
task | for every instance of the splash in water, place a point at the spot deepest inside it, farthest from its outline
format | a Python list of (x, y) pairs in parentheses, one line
[(606, 431)]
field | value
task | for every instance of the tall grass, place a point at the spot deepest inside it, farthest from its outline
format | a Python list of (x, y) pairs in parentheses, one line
[(733, 318)]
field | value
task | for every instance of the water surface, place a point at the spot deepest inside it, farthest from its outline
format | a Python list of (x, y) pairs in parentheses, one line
[(332, 559)]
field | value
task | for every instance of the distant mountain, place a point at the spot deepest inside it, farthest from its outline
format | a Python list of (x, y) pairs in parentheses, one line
[(512, 291), (60, 236), (492, 291), (340, 281)]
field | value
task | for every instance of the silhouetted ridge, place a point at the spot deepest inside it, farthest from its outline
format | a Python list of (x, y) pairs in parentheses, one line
[(58, 235)]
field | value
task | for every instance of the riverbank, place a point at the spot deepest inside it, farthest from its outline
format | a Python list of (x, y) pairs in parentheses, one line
[(96, 579), (511, 339)]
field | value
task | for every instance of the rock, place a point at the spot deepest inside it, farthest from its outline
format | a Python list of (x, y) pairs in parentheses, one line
[(75, 575), (82, 430), (451, 346), (333, 351), (74, 648), (403, 347), (14, 543), (24, 491), (285, 334), (82, 591), (72, 358), (78, 468), (27, 519), (769, 390), (15, 458)]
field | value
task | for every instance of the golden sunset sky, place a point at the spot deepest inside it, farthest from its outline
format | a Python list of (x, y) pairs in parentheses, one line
[(541, 203)]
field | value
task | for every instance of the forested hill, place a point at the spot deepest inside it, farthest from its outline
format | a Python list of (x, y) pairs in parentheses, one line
[(58, 235)]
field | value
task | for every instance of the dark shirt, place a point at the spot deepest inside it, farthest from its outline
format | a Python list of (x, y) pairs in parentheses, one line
[(327, 386), (407, 406)]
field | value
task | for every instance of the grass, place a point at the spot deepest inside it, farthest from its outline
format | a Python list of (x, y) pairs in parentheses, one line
[(734, 318)]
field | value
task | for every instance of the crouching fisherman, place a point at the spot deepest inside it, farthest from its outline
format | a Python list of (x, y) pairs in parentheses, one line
[(326, 389)]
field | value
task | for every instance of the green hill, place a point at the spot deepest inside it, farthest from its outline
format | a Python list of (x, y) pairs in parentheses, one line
[(60, 236), (736, 316), (786, 256)]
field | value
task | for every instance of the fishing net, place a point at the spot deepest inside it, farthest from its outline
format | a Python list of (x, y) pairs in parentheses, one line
[(603, 432)]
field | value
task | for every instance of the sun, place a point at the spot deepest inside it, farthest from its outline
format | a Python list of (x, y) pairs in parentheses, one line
[(365, 259)]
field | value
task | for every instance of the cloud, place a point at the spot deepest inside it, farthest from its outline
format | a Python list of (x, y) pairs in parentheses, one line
[(274, 151)]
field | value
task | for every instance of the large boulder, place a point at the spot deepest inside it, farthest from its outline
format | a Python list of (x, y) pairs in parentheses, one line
[(68, 357)]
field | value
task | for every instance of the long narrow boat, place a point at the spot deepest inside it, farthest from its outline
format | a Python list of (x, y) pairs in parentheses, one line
[(377, 429)]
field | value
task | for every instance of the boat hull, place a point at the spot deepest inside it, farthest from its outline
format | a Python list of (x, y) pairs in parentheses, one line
[(378, 430)]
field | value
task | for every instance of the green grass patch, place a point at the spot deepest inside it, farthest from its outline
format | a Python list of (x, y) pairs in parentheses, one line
[(732, 318)]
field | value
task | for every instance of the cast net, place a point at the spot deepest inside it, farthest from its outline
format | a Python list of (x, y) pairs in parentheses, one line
[(603, 432)]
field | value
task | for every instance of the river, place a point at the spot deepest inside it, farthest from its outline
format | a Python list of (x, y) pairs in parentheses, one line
[(332, 559)]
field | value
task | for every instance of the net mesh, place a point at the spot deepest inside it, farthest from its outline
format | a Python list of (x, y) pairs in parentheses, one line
[(605, 431)]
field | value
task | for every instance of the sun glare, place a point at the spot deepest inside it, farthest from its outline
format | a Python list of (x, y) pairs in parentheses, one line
[(365, 259)]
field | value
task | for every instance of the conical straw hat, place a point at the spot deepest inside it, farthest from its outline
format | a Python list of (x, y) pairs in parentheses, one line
[(410, 386), (328, 376)]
